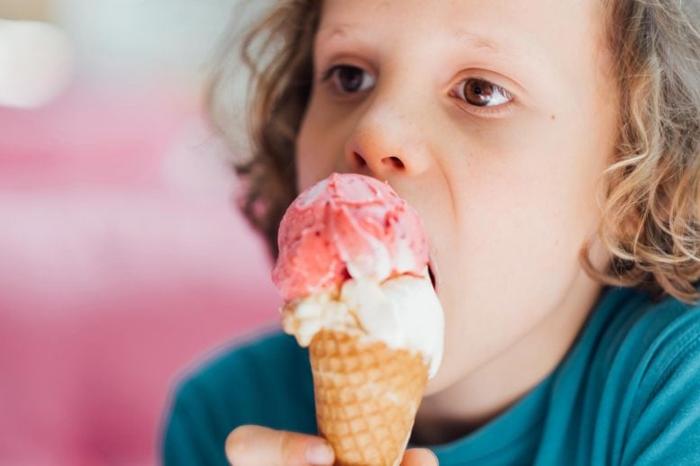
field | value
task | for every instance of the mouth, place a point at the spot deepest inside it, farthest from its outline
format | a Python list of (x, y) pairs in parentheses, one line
[(431, 272)]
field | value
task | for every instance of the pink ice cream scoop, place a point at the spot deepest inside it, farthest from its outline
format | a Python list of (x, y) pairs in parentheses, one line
[(347, 225)]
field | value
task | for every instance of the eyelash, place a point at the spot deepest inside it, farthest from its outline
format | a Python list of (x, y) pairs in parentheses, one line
[(485, 111)]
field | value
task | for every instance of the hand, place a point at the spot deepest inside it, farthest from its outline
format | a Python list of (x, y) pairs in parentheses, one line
[(252, 445), (419, 457)]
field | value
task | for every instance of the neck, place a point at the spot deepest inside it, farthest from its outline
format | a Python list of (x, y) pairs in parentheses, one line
[(495, 386)]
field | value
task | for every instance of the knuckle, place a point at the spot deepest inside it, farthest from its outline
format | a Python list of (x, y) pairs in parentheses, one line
[(287, 448)]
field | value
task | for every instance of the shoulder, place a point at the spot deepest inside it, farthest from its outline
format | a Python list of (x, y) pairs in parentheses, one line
[(644, 340), (264, 367), (248, 361), (661, 333), (667, 336), (656, 365), (631, 327), (262, 378)]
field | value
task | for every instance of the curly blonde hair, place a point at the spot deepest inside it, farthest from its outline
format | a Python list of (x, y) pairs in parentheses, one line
[(650, 223)]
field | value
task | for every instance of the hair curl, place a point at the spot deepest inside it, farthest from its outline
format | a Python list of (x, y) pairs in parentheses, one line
[(650, 222)]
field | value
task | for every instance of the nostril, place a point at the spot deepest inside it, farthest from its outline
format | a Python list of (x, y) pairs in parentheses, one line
[(393, 161), (359, 160)]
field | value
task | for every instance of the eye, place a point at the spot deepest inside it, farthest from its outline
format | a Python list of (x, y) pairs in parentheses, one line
[(348, 79), (481, 93)]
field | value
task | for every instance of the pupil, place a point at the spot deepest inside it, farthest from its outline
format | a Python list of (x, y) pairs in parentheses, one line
[(350, 78), (478, 92)]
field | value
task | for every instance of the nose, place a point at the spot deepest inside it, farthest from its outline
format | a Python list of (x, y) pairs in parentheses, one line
[(387, 142)]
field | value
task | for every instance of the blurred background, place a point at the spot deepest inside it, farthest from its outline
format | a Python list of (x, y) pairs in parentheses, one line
[(123, 261)]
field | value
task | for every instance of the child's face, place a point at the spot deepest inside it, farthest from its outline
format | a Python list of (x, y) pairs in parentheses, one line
[(494, 119)]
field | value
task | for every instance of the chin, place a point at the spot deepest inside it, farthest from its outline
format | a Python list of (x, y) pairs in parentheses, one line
[(442, 380)]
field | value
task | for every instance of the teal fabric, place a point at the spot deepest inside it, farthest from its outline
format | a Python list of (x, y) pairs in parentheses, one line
[(627, 393)]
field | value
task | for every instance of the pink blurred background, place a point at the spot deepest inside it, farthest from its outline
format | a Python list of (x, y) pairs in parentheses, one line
[(122, 259)]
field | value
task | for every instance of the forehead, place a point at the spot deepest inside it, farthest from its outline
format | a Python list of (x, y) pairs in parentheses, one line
[(458, 12), (516, 28)]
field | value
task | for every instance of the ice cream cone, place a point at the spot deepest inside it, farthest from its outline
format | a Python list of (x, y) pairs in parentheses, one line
[(367, 395), (353, 270)]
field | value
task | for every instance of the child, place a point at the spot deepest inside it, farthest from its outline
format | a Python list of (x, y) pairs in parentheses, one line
[(552, 148)]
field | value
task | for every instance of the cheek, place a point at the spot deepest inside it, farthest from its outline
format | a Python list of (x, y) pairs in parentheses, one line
[(523, 212), (530, 203), (308, 155), (319, 146)]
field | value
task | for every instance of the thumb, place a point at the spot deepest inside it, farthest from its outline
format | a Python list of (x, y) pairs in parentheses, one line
[(419, 457)]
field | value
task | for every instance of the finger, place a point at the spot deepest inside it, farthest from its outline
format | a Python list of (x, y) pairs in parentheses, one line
[(252, 445), (419, 457)]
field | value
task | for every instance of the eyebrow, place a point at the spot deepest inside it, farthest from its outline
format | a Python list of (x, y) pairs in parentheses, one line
[(475, 40), (472, 39), (337, 30), (478, 41), (519, 57)]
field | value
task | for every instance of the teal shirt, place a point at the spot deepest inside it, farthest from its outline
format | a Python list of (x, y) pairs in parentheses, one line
[(626, 393)]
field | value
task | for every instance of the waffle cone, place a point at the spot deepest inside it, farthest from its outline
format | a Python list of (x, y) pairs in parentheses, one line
[(367, 396)]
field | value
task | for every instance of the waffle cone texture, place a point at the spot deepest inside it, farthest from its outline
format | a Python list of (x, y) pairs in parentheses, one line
[(367, 396)]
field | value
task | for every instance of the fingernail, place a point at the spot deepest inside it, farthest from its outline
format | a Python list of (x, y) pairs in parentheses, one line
[(319, 453)]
